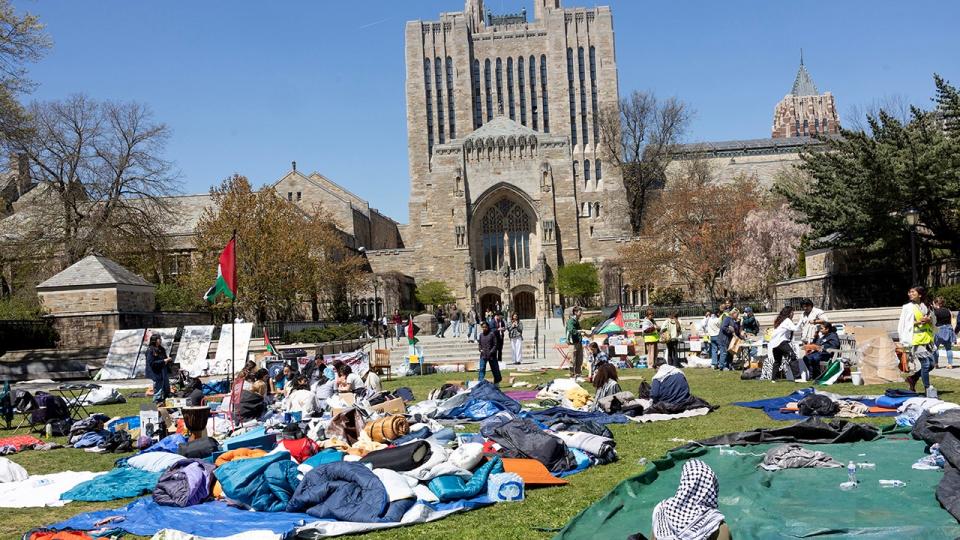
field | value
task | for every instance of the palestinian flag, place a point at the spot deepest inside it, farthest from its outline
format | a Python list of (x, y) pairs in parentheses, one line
[(613, 325), (830, 375), (411, 331), (266, 341), (226, 274)]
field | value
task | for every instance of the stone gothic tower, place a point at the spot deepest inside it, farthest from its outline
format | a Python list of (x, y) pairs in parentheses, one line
[(805, 111)]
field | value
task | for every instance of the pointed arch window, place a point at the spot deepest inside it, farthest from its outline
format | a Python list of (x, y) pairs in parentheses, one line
[(583, 94), (477, 101), (505, 234), (489, 91), (593, 92), (499, 75), (429, 99), (510, 103), (571, 98), (543, 93), (521, 91), (451, 117), (438, 77), (533, 91)]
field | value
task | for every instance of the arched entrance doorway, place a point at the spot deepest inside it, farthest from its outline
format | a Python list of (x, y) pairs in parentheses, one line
[(525, 305), (489, 300)]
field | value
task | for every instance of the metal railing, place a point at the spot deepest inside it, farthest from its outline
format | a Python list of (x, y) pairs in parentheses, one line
[(18, 335)]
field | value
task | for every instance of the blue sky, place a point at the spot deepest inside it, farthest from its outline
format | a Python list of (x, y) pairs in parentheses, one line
[(250, 86)]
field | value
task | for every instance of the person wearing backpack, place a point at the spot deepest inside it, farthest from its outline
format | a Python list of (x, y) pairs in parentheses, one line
[(158, 368)]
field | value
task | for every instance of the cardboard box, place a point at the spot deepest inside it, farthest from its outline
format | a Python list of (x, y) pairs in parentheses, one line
[(349, 398), (394, 406)]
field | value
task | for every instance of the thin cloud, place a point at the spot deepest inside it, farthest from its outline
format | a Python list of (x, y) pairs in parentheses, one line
[(368, 25)]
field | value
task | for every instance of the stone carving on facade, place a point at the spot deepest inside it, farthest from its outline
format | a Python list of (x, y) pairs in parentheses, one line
[(458, 182), (545, 177)]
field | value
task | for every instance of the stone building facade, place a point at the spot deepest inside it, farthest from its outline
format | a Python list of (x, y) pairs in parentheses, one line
[(508, 179)]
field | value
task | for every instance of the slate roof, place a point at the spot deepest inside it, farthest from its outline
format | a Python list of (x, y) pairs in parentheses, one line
[(803, 85), (94, 270), (747, 145)]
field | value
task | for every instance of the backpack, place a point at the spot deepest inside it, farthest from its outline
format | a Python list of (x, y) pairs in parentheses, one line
[(817, 405), (23, 401), (49, 408), (61, 428), (750, 373)]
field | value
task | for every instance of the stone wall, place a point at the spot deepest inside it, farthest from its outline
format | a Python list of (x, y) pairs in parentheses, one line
[(86, 330), (79, 300), (763, 167)]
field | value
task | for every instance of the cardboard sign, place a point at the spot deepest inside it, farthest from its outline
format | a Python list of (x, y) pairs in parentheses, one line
[(122, 357), (631, 321), (394, 406), (194, 346)]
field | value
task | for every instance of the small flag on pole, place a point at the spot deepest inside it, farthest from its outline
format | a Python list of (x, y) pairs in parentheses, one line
[(266, 341), (226, 274)]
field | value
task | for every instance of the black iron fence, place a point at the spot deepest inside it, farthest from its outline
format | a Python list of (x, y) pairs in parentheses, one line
[(18, 335), (686, 310)]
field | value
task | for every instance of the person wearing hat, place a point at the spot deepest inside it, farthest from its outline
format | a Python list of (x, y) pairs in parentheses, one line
[(748, 323)]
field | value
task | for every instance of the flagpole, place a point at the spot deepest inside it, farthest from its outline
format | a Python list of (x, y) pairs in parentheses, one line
[(233, 325)]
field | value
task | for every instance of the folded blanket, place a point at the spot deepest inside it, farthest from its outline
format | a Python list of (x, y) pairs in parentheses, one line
[(602, 447), (794, 456), (119, 483)]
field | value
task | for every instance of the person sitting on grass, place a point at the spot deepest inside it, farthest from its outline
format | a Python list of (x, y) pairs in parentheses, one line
[(301, 399), (605, 380), (692, 514), (597, 357), (669, 386)]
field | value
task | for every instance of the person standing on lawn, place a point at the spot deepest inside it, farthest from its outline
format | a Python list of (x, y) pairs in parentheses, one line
[(946, 335), (487, 341), (671, 331), (729, 328), (158, 368), (515, 330), (651, 338), (916, 331), (574, 340), (500, 329), (713, 331)]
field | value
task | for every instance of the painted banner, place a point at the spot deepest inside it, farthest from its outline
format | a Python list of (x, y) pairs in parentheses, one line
[(222, 362), (631, 321), (122, 356), (193, 350)]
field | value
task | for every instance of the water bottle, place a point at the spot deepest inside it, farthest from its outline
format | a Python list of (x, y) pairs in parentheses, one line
[(892, 483), (852, 472)]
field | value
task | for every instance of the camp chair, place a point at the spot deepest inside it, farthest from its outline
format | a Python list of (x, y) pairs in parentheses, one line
[(23, 403), (381, 362)]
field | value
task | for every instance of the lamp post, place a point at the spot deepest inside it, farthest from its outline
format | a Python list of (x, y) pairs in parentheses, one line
[(913, 218)]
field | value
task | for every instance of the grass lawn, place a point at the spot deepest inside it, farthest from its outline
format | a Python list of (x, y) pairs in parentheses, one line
[(544, 510)]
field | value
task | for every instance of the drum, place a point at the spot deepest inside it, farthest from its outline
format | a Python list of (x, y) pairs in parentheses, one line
[(195, 420)]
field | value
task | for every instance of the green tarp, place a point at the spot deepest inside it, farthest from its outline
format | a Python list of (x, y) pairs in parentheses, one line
[(794, 503)]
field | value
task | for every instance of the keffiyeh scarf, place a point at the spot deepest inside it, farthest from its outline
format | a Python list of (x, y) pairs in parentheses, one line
[(692, 513)]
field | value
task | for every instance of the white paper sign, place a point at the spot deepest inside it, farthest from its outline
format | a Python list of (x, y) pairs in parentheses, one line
[(122, 355), (194, 347), (167, 335)]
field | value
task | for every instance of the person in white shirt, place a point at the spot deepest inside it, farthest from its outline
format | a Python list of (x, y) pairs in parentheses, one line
[(347, 380), (781, 349), (713, 332), (916, 334), (371, 381), (301, 399), (810, 320)]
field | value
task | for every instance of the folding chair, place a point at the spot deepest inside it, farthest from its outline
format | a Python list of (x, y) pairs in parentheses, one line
[(562, 349), (381, 362)]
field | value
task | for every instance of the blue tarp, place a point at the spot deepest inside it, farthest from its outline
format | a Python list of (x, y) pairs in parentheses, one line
[(144, 517), (485, 400), (772, 406)]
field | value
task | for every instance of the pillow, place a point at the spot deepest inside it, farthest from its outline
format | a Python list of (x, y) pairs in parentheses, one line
[(467, 456)]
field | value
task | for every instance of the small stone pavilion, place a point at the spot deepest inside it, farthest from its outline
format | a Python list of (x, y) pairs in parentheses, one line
[(88, 301)]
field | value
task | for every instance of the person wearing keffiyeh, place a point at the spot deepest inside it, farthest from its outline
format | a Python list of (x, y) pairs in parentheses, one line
[(692, 513)]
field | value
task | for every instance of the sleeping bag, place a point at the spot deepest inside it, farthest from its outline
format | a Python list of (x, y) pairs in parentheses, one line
[(346, 491), (264, 483), (399, 458), (186, 483), (453, 488), (523, 438)]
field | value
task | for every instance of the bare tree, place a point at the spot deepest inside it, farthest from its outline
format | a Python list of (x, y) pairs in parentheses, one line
[(22, 41), (100, 175), (639, 137)]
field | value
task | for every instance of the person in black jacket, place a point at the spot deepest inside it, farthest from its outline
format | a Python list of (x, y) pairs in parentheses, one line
[(158, 368), (488, 353), (818, 352)]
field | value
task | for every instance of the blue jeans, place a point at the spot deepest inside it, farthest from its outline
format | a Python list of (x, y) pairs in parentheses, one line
[(927, 362), (714, 351), (471, 331), (456, 328), (161, 387), (494, 367), (723, 358)]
